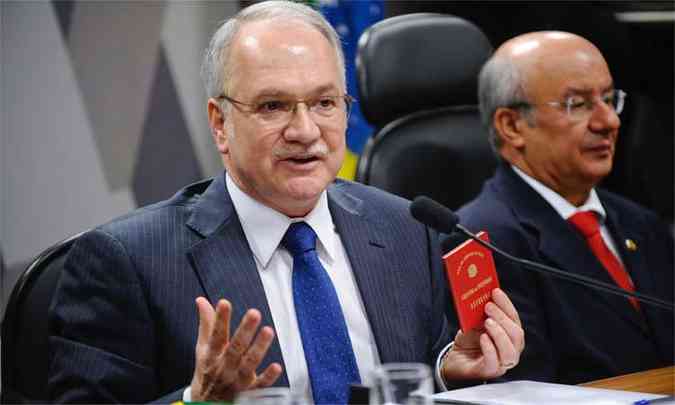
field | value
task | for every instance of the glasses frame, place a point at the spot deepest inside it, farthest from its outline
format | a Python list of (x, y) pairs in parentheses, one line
[(348, 99), (589, 104)]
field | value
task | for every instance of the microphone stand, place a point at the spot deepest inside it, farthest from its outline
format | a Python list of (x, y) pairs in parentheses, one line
[(575, 278)]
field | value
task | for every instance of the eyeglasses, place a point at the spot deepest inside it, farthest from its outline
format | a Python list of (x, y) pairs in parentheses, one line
[(579, 107), (274, 112)]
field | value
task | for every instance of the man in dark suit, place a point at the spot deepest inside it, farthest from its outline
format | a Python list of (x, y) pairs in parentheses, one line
[(552, 110), (339, 272)]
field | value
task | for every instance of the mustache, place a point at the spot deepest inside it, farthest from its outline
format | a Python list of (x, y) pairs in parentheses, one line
[(599, 138), (317, 150)]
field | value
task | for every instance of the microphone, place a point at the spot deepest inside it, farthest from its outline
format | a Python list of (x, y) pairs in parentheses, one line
[(439, 217)]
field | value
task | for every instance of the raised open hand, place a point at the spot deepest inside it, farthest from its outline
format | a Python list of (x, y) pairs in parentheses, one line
[(227, 365)]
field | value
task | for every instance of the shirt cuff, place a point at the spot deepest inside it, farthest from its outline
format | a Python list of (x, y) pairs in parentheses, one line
[(440, 381), (187, 395)]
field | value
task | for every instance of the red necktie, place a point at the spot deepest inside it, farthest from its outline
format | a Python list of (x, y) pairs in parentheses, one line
[(587, 223)]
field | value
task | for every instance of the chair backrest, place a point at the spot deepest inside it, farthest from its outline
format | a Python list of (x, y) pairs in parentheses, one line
[(25, 354), (418, 76)]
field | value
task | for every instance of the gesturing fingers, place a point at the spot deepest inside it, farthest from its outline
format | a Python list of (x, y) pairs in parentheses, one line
[(227, 364), (269, 376), (212, 332), (220, 334), (206, 320), (241, 340), (252, 359), (257, 351)]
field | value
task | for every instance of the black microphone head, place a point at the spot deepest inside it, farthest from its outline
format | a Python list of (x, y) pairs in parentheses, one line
[(434, 214)]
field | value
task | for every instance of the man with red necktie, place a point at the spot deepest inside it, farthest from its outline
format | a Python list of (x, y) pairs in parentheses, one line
[(552, 110)]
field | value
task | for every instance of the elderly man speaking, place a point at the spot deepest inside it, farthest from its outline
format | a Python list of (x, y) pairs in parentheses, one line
[(339, 272)]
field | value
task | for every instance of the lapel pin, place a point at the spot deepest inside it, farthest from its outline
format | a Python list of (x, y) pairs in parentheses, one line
[(630, 245)]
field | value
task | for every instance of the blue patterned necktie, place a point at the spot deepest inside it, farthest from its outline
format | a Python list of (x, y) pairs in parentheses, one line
[(325, 340)]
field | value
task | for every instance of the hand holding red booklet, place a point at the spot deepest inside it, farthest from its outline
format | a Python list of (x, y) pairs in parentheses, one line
[(472, 277)]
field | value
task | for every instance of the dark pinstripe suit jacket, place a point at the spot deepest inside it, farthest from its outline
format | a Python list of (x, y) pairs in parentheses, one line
[(123, 323), (574, 334)]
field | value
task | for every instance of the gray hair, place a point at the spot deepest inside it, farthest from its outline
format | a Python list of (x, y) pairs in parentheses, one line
[(500, 84), (217, 66)]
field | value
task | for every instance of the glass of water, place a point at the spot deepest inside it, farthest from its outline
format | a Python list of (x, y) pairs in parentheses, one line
[(268, 396), (402, 384)]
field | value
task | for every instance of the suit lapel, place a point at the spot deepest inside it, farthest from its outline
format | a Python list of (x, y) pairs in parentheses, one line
[(633, 260), (225, 265), (366, 244), (559, 242)]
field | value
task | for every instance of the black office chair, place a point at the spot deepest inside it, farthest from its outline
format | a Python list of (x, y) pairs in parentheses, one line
[(24, 328), (418, 76)]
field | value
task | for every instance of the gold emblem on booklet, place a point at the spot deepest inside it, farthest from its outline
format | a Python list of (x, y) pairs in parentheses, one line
[(473, 270), (630, 245)]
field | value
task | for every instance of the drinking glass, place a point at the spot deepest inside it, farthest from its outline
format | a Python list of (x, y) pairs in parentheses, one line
[(267, 396), (402, 384)]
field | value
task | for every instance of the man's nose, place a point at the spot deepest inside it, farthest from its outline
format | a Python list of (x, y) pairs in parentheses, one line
[(302, 127), (604, 118)]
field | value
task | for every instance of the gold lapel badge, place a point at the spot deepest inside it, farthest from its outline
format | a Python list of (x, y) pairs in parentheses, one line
[(630, 245)]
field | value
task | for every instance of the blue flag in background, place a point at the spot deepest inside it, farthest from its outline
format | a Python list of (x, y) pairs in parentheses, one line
[(350, 18)]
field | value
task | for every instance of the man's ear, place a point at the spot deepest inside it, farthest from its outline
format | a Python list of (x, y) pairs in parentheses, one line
[(217, 125), (510, 124)]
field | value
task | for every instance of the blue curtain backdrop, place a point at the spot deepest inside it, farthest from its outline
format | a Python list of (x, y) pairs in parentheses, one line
[(350, 18)]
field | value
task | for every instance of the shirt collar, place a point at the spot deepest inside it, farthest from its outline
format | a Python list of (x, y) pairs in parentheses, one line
[(264, 227), (561, 205)]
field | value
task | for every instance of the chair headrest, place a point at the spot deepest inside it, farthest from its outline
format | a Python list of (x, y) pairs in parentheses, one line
[(418, 61)]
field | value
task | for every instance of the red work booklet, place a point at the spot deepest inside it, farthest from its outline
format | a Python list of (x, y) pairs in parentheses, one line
[(472, 277)]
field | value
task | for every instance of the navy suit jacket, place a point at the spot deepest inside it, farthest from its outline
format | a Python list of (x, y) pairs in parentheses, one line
[(574, 334), (123, 323)]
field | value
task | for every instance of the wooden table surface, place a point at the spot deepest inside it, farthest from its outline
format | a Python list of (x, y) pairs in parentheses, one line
[(656, 381)]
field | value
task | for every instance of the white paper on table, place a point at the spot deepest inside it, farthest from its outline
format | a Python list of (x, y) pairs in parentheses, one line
[(532, 392)]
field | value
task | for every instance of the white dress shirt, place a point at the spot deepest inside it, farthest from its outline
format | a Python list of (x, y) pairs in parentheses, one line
[(275, 265), (264, 228), (565, 209)]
